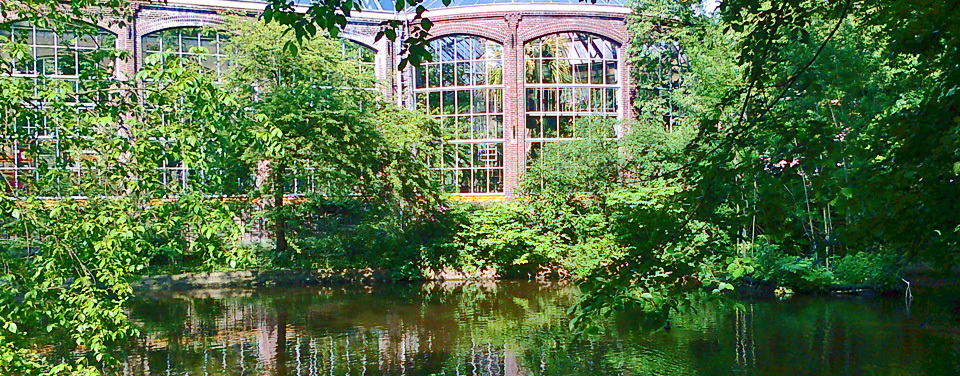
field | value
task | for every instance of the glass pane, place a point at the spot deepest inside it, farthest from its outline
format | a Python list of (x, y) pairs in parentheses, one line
[(533, 127), (496, 126), (210, 63), (496, 100), (479, 101), (209, 45), (596, 73), (45, 38), (496, 180), (89, 41), (533, 71), (421, 77), (550, 127), (463, 101), (566, 100), (447, 74), (495, 73), (548, 75), (464, 181), (480, 181), (533, 152), (23, 35), (151, 44), (463, 74), (449, 103), (596, 100), (564, 72), (46, 61), (565, 126), (611, 72), (67, 62), (533, 99), (611, 97), (434, 101), (421, 100), (464, 128), (581, 73), (480, 129), (479, 73), (433, 73), (549, 102)]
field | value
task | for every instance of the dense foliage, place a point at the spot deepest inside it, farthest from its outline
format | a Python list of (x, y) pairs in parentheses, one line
[(825, 146), (84, 224), (799, 143)]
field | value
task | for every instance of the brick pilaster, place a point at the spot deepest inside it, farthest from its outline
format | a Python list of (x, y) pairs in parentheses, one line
[(512, 106)]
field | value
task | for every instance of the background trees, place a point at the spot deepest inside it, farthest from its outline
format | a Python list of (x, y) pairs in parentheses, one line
[(323, 132), (825, 138)]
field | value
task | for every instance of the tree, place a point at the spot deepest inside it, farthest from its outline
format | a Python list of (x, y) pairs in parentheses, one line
[(811, 141), (313, 118)]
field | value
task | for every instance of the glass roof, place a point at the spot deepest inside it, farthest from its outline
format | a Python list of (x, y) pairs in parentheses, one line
[(388, 5)]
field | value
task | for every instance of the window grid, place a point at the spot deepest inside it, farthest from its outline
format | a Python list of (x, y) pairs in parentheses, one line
[(570, 77), (182, 43), (30, 144), (365, 59), (178, 42), (463, 89)]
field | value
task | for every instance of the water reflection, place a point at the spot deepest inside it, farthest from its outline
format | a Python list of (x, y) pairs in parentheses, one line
[(521, 329)]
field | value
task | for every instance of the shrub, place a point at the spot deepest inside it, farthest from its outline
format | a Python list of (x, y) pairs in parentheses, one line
[(867, 268)]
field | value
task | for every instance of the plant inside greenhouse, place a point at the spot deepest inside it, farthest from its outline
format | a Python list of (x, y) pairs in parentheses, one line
[(479, 187)]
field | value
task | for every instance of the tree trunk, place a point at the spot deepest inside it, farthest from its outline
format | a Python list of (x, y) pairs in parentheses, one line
[(279, 218)]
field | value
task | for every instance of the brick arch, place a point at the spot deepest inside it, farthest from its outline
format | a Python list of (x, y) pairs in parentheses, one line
[(614, 30), (362, 40), (104, 25), (487, 30), (177, 22)]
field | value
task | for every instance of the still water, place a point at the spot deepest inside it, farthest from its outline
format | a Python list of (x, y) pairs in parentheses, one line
[(520, 328)]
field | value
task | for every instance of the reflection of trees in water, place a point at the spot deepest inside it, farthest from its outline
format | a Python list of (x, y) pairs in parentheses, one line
[(501, 329), (259, 336)]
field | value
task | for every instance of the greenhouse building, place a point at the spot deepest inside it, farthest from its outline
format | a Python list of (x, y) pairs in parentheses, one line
[(506, 78)]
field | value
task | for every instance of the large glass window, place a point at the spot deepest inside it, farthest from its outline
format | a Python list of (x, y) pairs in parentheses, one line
[(364, 57), (463, 88), (75, 60), (73, 55), (191, 43), (569, 78)]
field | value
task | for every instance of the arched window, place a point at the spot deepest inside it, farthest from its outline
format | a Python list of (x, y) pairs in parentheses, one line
[(186, 44), (463, 87), (189, 43), (79, 55), (569, 77), (364, 58), (72, 55)]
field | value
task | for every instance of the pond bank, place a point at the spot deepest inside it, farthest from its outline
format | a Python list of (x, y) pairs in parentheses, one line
[(918, 276), (258, 278), (291, 277)]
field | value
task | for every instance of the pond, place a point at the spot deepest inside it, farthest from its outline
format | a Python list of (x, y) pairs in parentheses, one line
[(520, 328)]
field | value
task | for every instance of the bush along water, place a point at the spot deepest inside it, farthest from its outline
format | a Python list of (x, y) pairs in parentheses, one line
[(765, 264)]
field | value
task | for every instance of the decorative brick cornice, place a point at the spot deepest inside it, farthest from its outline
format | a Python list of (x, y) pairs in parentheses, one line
[(149, 24), (490, 28), (534, 27)]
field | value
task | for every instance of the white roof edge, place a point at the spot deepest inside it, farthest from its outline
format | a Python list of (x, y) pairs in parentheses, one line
[(530, 7), (381, 15)]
